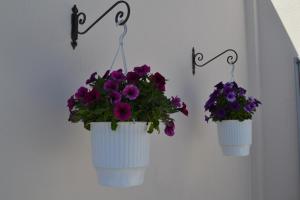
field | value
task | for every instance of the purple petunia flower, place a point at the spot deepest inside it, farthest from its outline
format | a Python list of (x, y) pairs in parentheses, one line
[(235, 85), (117, 75), (176, 102), (219, 86), (159, 81), (131, 92), (183, 109), (92, 96), (122, 111), (115, 97), (227, 88), (253, 100), (242, 91), (71, 102), (221, 113), (92, 78), (81, 92), (209, 104), (247, 108), (110, 85), (170, 128), (215, 94), (142, 71), (132, 77), (231, 97), (228, 85), (235, 106)]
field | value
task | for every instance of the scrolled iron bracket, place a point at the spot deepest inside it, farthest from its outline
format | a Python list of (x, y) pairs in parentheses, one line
[(198, 57), (80, 18)]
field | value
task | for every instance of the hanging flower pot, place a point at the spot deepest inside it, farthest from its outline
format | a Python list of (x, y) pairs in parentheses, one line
[(235, 137), (121, 156), (121, 110), (232, 111)]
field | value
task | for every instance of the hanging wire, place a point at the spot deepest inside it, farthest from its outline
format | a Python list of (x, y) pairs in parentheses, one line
[(121, 48), (232, 73)]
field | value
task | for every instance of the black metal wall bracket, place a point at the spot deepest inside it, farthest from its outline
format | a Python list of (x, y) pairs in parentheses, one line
[(80, 18), (198, 57)]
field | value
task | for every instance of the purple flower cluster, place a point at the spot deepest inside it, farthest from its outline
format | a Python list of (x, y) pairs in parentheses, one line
[(113, 82), (142, 71), (111, 85), (126, 97), (228, 101), (118, 75), (84, 96)]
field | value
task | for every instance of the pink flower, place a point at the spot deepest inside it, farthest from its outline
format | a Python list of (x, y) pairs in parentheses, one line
[(132, 77), (170, 128), (117, 75), (71, 102), (122, 111), (81, 92), (142, 71), (159, 81), (184, 110), (92, 96), (110, 85), (115, 97), (131, 92), (176, 102)]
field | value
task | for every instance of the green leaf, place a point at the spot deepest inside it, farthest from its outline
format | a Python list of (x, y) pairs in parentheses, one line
[(87, 126), (74, 117), (151, 128), (114, 125)]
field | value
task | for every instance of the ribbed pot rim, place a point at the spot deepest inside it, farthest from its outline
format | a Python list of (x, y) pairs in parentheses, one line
[(121, 123), (233, 120)]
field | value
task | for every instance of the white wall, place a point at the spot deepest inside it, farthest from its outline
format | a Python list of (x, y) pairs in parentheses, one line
[(43, 156), (272, 76), (288, 11)]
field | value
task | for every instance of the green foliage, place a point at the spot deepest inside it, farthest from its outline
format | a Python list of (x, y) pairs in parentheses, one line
[(151, 105)]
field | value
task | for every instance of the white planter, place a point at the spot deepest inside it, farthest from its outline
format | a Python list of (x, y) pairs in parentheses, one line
[(235, 137), (120, 157)]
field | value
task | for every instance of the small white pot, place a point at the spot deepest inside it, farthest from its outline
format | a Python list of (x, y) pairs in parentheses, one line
[(235, 137), (120, 157)]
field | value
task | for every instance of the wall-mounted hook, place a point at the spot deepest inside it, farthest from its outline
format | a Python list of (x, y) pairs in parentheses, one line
[(80, 18), (198, 57)]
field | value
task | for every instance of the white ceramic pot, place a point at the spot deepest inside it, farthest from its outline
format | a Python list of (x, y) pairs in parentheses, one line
[(235, 137), (120, 157)]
